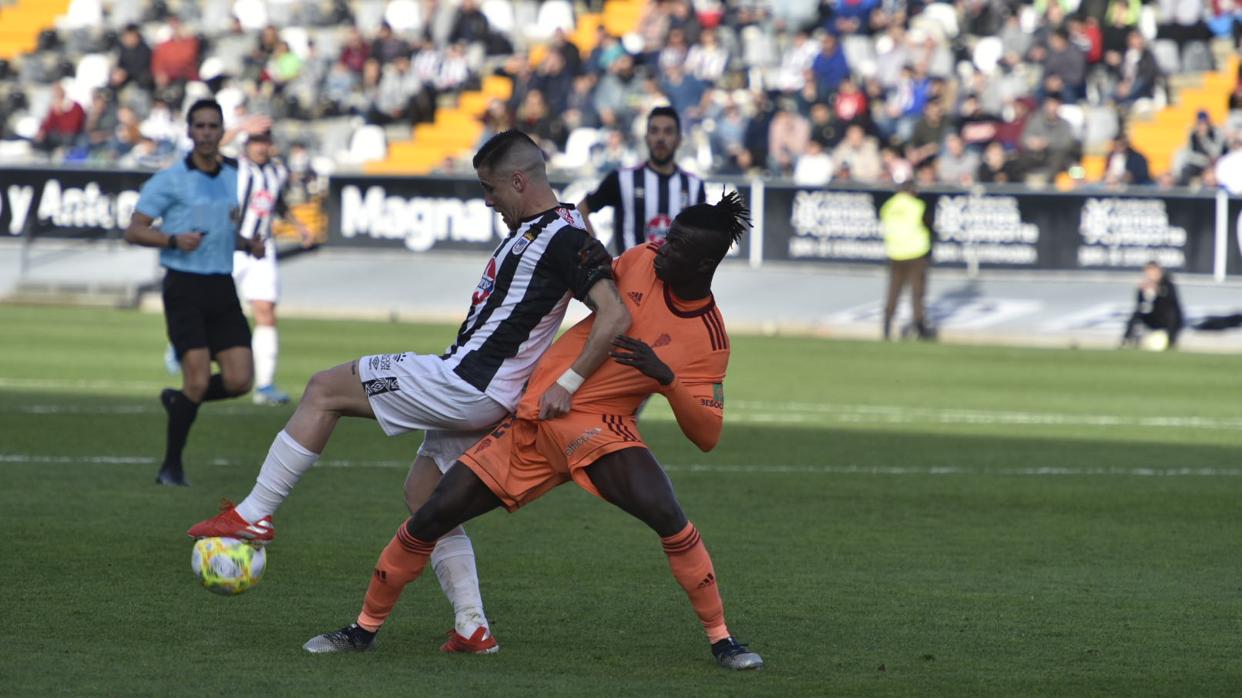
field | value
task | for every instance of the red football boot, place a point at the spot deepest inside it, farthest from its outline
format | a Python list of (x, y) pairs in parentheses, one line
[(481, 642), (229, 524)]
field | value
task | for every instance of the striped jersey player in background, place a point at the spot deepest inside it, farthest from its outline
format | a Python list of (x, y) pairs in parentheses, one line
[(261, 180), (646, 199), (457, 397)]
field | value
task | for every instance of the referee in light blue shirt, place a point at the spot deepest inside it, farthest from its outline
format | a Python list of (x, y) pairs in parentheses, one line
[(196, 200)]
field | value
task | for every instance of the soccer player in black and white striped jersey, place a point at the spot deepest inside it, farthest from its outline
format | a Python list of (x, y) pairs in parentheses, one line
[(261, 181), (646, 199), (458, 398)]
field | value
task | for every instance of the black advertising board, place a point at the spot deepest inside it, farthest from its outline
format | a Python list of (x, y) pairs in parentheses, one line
[(67, 203), (1059, 231)]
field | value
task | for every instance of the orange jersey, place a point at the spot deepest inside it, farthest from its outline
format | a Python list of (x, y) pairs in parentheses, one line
[(689, 337)]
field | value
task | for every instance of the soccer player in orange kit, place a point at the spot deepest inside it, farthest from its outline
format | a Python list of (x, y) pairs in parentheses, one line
[(676, 346)]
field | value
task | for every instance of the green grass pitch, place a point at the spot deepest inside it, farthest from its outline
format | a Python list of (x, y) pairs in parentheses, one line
[(893, 519)]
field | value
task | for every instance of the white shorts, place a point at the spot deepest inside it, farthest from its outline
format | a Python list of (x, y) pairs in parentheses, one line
[(256, 278), (415, 391), (445, 447)]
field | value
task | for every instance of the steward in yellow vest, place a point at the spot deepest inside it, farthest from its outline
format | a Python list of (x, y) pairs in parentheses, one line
[(907, 223)]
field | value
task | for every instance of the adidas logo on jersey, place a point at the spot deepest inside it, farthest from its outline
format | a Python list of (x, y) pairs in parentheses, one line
[(662, 341), (636, 297)]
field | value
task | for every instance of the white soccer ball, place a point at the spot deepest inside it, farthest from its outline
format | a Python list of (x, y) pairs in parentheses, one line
[(227, 565)]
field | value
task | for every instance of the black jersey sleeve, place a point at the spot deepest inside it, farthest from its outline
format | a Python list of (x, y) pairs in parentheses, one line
[(607, 194), (563, 260)]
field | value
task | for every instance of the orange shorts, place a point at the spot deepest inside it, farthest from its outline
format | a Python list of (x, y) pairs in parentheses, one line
[(523, 459)]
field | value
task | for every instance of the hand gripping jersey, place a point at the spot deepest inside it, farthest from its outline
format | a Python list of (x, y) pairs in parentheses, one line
[(690, 339)]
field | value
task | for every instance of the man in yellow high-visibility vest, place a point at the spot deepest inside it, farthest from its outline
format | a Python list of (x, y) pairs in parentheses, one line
[(907, 223)]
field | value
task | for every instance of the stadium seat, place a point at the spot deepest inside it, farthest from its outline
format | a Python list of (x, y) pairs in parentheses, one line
[(368, 143), (553, 15), (404, 16), (944, 15), (1167, 55), (82, 14), (298, 40), (93, 71), (987, 54), (577, 149), (251, 13), (368, 15), (859, 54), (1076, 118), (499, 14)]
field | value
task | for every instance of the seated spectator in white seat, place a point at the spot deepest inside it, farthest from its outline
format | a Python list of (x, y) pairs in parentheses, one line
[(1205, 145), (814, 168)]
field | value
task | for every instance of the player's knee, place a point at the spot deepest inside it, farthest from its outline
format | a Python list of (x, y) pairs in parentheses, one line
[(194, 387), (664, 515), (239, 384), (319, 390), (426, 522)]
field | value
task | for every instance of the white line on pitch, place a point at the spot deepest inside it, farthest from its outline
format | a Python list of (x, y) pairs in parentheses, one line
[(34, 459)]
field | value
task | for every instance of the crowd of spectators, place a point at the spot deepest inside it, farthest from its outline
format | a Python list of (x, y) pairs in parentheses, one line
[(972, 91)]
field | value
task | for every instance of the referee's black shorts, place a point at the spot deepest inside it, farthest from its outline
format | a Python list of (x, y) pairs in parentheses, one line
[(202, 310)]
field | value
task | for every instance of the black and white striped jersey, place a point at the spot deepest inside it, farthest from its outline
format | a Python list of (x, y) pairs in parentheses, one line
[(259, 195), (520, 302), (644, 202)]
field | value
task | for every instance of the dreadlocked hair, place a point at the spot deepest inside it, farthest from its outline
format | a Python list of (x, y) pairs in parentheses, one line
[(728, 217)]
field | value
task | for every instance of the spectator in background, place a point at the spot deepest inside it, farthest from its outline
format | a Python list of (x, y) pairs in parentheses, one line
[(707, 61), (675, 50), (727, 139), (849, 105), (797, 59), (826, 129), (64, 122), (852, 16), (997, 167), (615, 91), (860, 153), (1156, 308), (1137, 70), (580, 108), (387, 45), (1048, 143), (101, 121), (976, 128), (470, 25), (554, 81), (928, 133), (1067, 62), (830, 67), (126, 134), (1124, 165), (536, 120), (569, 53), (133, 61), (607, 50), (814, 168), (355, 51), (788, 135), (1205, 145), (956, 165), (896, 168), (176, 60), (1120, 19), (685, 93)]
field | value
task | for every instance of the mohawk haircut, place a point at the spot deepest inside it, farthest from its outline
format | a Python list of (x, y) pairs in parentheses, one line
[(728, 218), (500, 145)]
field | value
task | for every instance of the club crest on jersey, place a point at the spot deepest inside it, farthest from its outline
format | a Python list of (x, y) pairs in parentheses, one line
[(657, 228), (487, 284), (662, 341)]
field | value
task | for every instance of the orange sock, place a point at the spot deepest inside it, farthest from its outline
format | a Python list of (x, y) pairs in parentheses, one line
[(692, 567), (401, 562)]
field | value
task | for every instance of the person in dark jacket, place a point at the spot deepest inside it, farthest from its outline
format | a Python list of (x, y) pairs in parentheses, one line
[(1156, 307)]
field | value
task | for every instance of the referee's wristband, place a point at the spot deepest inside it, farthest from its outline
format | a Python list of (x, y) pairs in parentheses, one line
[(570, 381)]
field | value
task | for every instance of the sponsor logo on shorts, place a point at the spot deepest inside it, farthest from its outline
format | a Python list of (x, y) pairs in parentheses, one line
[(384, 362), (636, 297), (662, 341), (581, 441), (714, 404), (379, 386)]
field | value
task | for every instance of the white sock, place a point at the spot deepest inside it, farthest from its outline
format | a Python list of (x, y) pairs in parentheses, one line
[(285, 463), (453, 561), (264, 345)]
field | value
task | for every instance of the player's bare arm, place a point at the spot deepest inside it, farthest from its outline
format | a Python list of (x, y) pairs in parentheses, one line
[(141, 231), (611, 320)]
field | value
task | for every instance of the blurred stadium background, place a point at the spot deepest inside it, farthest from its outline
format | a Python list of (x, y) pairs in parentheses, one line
[(1122, 113)]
